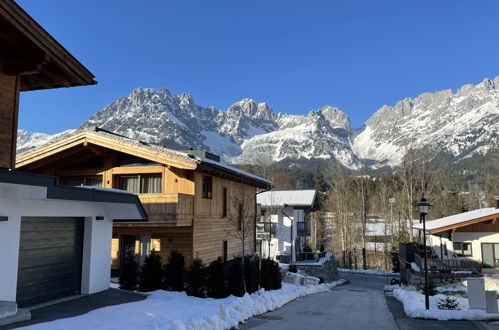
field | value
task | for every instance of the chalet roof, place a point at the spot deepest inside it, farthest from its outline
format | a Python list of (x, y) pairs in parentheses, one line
[(460, 220), (295, 198), (31, 52), (156, 153)]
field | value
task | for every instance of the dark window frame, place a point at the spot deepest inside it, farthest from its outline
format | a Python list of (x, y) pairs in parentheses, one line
[(207, 187), (463, 254), (224, 202), (141, 184)]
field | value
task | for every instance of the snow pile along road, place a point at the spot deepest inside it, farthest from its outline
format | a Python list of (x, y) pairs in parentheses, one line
[(176, 310), (414, 307)]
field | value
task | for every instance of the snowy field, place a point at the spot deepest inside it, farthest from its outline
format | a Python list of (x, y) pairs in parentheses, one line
[(414, 306), (368, 271), (177, 311)]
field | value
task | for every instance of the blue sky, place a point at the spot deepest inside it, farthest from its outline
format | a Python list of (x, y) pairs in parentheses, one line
[(294, 55)]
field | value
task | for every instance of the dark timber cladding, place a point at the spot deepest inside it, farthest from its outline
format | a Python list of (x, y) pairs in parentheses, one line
[(50, 259)]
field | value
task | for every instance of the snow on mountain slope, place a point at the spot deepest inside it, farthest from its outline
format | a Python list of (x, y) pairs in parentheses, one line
[(459, 124), (27, 140)]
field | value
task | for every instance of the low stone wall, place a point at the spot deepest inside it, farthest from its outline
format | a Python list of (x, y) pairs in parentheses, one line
[(300, 279), (325, 270)]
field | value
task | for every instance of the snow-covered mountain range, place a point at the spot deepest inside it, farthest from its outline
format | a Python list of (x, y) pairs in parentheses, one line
[(457, 124)]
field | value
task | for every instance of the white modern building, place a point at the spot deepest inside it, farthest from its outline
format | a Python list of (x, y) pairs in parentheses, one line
[(472, 235), (284, 224)]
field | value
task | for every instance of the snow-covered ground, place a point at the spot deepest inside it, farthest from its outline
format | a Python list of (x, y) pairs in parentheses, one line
[(368, 271), (414, 306), (177, 311)]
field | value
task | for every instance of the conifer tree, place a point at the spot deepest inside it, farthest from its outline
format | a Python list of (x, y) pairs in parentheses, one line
[(129, 273), (151, 274), (174, 272)]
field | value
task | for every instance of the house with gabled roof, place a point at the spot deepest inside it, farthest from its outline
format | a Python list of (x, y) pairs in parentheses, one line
[(188, 196), (285, 223), (54, 239), (468, 236)]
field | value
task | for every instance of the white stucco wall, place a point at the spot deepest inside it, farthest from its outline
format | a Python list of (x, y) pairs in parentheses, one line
[(281, 242), (476, 240), (18, 201)]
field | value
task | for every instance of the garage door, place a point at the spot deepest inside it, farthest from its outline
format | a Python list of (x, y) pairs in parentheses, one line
[(50, 257)]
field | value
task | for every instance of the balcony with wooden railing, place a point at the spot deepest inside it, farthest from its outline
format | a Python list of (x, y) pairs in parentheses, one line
[(174, 209)]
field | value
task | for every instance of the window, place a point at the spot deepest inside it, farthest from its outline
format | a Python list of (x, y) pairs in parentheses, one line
[(81, 180), (141, 184), (490, 255), (224, 205), (207, 186), (156, 244), (462, 249)]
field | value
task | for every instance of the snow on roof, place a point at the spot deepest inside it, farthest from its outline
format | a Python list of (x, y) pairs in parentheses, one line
[(458, 218), (289, 197)]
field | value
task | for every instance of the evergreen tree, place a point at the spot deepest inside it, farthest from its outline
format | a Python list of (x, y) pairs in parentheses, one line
[(449, 303), (271, 275), (216, 284), (174, 272), (252, 274), (235, 278), (151, 274), (195, 280), (129, 273)]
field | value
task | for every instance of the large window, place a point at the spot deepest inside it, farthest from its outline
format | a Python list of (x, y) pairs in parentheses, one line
[(490, 255), (462, 249), (141, 184), (207, 186), (81, 180)]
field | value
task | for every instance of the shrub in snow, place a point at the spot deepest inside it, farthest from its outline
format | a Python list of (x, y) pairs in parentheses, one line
[(216, 285), (271, 278), (292, 268), (195, 280), (129, 273), (251, 274), (235, 278), (151, 274), (448, 302), (174, 272)]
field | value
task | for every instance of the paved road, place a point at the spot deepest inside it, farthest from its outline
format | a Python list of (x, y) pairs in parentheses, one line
[(361, 304)]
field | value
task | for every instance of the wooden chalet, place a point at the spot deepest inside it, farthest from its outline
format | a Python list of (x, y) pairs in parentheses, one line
[(54, 239), (188, 197)]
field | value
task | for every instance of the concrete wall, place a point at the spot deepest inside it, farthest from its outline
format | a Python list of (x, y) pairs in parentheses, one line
[(17, 201)]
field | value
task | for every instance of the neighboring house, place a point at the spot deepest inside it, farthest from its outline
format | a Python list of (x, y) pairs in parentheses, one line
[(472, 235), (54, 240), (285, 222), (195, 204)]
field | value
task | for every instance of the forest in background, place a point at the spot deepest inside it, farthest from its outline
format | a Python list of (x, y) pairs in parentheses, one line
[(352, 199)]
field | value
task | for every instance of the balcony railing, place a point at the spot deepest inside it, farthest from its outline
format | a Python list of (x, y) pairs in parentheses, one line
[(175, 209), (264, 228), (435, 264), (303, 228)]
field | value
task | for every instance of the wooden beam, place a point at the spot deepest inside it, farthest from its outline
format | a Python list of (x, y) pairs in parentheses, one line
[(463, 224), (21, 65)]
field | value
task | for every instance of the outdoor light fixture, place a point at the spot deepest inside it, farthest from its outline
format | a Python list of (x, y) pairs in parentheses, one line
[(423, 212), (2, 218), (99, 217)]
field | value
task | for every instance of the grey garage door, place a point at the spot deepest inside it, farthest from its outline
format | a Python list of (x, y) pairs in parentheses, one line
[(50, 258)]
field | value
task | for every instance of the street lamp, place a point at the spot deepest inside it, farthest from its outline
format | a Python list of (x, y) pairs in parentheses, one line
[(423, 212)]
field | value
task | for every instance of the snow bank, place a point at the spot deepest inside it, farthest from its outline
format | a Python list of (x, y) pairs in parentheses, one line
[(177, 311), (368, 271), (414, 306)]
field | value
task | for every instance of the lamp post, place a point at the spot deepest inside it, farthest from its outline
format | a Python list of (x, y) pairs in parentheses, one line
[(423, 212)]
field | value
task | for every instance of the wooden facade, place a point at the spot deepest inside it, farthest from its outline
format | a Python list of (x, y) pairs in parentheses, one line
[(182, 215), (30, 59)]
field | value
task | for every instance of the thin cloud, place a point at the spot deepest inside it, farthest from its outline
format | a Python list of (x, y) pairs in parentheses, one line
[(294, 74)]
